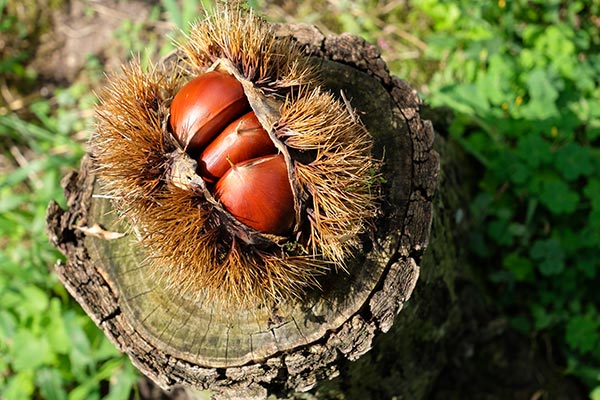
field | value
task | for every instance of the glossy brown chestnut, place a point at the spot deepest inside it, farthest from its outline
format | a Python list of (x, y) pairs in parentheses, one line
[(242, 140), (204, 106), (258, 193)]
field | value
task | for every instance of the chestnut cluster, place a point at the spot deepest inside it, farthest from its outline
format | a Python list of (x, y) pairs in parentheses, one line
[(211, 117), (243, 178)]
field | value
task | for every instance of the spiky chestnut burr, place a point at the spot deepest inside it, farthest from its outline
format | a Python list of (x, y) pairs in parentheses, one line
[(194, 236)]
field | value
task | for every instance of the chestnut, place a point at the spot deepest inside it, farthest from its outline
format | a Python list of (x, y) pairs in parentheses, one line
[(247, 217), (204, 106), (242, 140), (258, 193)]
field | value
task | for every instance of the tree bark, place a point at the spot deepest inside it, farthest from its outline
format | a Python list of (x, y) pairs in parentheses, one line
[(181, 341)]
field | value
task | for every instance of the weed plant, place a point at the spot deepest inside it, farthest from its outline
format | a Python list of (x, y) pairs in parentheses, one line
[(49, 348), (523, 80)]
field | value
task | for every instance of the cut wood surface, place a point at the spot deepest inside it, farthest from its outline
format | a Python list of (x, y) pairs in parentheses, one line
[(178, 340)]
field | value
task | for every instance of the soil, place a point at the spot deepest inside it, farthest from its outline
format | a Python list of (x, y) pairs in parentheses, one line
[(84, 29)]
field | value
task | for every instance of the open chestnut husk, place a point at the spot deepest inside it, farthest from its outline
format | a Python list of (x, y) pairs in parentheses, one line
[(243, 222)]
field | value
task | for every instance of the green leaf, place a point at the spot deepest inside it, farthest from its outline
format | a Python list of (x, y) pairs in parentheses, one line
[(588, 266), (583, 332), (8, 326), (438, 45), (464, 98), (445, 15), (595, 394), (20, 386), (543, 95), (173, 13), (592, 130), (517, 229), (498, 230), (56, 331), (570, 240), (36, 167), (495, 81), (527, 58), (590, 235), (123, 382), (476, 143), (592, 192), (573, 161), (533, 149), (519, 173), (88, 389), (556, 195), (35, 300), (557, 46), (30, 352), (85, 391), (542, 318), (507, 166), (50, 383), (105, 349), (550, 255), (11, 201), (521, 267), (80, 356)]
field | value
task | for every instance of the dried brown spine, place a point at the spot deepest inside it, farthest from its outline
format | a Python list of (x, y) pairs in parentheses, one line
[(189, 238)]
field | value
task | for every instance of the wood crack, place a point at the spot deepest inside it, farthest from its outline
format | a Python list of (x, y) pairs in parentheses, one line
[(112, 315)]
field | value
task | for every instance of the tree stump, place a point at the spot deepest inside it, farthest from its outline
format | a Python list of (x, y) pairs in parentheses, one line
[(177, 341)]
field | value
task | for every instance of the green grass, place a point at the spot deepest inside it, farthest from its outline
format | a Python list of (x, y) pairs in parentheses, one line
[(522, 78), (49, 348)]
